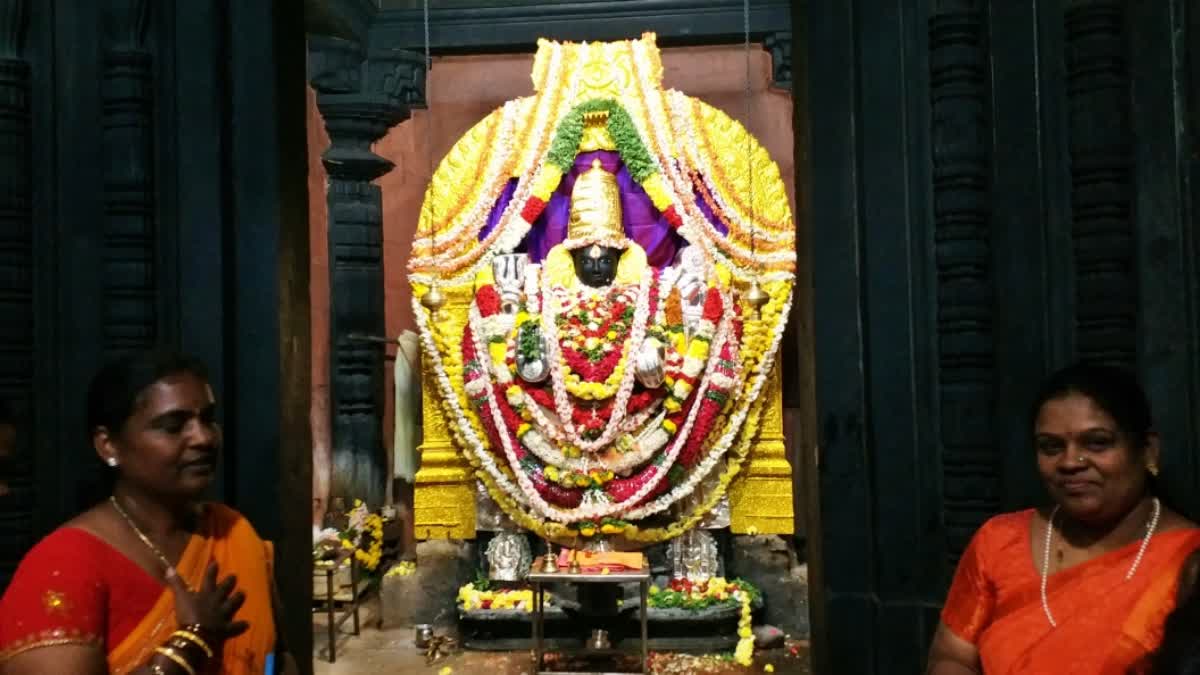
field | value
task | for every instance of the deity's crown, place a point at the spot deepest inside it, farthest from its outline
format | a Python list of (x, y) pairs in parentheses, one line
[(595, 210)]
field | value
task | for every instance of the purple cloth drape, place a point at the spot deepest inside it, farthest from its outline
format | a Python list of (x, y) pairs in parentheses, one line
[(642, 222)]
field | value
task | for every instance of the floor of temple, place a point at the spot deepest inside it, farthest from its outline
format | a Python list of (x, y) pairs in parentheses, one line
[(392, 651)]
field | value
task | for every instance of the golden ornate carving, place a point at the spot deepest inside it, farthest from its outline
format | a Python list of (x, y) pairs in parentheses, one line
[(595, 207), (760, 498), (444, 495)]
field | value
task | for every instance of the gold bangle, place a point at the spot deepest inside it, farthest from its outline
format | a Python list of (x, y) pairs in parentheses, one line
[(194, 639), (179, 660), (187, 649)]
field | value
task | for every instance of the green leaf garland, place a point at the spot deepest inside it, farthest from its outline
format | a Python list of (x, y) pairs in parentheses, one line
[(630, 146)]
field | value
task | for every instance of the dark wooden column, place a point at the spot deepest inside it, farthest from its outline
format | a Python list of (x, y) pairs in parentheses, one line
[(16, 275), (1102, 185), (359, 98), (131, 318), (961, 186), (993, 197)]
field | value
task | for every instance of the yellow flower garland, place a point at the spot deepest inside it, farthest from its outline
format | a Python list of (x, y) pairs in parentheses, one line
[(717, 131), (755, 341)]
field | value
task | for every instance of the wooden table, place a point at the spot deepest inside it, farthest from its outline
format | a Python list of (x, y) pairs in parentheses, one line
[(329, 568), (539, 579)]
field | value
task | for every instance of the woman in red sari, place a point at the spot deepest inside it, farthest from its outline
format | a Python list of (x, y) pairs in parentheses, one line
[(152, 581), (1084, 585)]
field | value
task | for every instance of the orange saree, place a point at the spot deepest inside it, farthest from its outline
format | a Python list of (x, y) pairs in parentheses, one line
[(1107, 625), (73, 588)]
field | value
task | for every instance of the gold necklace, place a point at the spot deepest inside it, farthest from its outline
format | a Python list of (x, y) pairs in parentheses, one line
[(138, 531)]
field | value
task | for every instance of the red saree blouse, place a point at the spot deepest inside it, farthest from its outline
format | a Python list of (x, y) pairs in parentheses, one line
[(73, 588)]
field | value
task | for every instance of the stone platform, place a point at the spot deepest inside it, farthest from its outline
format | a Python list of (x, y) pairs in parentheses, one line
[(429, 596)]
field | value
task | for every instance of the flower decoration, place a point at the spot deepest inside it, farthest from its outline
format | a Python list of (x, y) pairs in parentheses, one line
[(591, 443), (404, 568), (363, 536), (713, 592), (476, 595)]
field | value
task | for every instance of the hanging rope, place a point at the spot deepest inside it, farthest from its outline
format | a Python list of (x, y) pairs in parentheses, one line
[(748, 112), (433, 300), (755, 295)]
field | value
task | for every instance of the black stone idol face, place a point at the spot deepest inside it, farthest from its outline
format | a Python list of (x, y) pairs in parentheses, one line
[(596, 266)]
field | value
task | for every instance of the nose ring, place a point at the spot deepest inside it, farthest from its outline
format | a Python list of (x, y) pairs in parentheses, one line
[(1081, 459)]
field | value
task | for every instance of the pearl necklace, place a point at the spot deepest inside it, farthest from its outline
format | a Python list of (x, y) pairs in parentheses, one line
[(1150, 528)]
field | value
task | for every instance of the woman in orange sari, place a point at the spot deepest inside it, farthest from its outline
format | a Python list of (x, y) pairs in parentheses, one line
[(1084, 585), (152, 581)]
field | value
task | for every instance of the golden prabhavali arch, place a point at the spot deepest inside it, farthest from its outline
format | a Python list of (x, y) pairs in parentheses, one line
[(717, 188)]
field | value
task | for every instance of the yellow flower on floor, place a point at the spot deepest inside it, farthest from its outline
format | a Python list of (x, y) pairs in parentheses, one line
[(769, 668), (446, 670)]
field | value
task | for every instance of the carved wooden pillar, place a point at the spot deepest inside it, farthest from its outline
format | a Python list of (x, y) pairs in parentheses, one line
[(359, 99), (1101, 181), (963, 257), (16, 271), (129, 250)]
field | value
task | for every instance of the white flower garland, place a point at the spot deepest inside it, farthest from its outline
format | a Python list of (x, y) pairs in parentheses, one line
[(552, 429), (510, 235), (526, 494), (646, 443), (591, 511), (468, 225), (696, 228), (547, 115), (562, 401), (462, 427), (682, 111), (733, 427)]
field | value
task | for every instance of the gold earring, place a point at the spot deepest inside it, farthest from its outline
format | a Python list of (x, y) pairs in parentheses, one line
[(1152, 467)]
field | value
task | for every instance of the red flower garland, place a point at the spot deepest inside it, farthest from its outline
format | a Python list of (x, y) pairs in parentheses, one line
[(533, 208), (672, 217), (706, 417), (487, 300), (713, 306), (621, 489)]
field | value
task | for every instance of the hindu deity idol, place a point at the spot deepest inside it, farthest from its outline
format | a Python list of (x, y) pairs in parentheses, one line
[(586, 380), (601, 361)]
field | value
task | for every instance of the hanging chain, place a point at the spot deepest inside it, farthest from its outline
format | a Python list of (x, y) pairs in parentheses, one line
[(429, 134), (747, 115), (433, 300)]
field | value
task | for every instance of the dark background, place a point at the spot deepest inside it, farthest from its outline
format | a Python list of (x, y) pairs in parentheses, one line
[(152, 191)]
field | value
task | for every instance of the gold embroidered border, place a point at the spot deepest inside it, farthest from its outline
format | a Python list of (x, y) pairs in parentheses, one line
[(49, 638)]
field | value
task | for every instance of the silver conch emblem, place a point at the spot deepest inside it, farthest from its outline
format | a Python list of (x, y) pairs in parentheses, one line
[(509, 272)]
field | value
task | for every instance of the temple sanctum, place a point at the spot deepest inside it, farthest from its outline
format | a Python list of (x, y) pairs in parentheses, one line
[(601, 274)]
